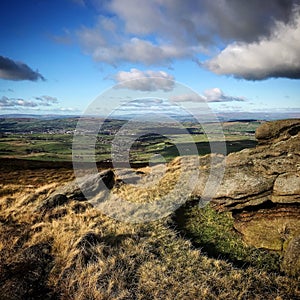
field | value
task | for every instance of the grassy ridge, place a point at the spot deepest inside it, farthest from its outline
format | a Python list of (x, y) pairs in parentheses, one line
[(73, 251)]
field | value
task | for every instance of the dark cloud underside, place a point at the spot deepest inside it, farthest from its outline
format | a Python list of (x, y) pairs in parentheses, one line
[(14, 70), (158, 32)]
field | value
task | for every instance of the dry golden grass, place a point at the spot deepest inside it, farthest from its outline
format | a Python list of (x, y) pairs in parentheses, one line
[(83, 254)]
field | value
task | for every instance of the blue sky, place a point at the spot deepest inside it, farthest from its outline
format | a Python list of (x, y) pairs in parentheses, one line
[(58, 56)]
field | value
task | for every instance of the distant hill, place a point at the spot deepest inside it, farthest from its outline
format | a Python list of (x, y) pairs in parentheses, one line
[(221, 116), (253, 116), (34, 116)]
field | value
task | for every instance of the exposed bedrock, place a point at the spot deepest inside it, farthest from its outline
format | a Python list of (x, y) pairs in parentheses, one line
[(261, 187)]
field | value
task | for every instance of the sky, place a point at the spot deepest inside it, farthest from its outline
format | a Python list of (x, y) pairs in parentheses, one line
[(58, 56)]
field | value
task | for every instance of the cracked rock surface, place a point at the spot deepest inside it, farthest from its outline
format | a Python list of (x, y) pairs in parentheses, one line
[(261, 187)]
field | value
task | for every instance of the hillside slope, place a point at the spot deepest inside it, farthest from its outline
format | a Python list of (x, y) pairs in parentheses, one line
[(64, 248)]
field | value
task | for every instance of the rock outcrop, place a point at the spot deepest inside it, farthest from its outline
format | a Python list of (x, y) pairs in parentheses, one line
[(261, 187), (79, 190)]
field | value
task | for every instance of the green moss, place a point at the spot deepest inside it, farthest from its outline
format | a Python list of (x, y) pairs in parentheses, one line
[(214, 233)]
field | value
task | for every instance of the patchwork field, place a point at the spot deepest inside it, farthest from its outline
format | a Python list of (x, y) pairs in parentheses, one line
[(52, 140)]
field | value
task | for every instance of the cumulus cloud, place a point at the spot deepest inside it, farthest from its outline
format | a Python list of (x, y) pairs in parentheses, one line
[(145, 102), (211, 95), (36, 103), (6, 102), (187, 98), (149, 106), (275, 56), (67, 109), (14, 70), (193, 21), (145, 80), (166, 30), (46, 100), (217, 95), (113, 48)]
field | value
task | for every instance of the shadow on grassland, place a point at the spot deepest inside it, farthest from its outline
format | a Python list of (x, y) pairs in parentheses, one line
[(205, 147)]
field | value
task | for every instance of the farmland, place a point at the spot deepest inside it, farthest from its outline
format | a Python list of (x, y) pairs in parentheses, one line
[(52, 140)]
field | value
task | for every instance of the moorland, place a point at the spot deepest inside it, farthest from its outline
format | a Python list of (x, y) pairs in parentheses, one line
[(61, 247)]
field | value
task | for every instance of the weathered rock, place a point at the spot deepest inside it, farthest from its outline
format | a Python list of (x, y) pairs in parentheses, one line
[(89, 185), (281, 130), (266, 173), (269, 227), (291, 258), (128, 176), (261, 186), (241, 183), (287, 188), (52, 202)]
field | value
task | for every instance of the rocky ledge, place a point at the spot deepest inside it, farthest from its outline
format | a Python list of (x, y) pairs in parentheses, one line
[(261, 187)]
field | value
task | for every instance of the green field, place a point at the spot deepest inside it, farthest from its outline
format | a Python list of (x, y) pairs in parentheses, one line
[(52, 140)]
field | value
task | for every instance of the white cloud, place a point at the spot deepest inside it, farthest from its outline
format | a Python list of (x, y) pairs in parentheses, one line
[(112, 48), (6, 102), (67, 109), (37, 104), (187, 98), (46, 100), (274, 56), (199, 21), (158, 32), (145, 80), (149, 106), (217, 95), (211, 95)]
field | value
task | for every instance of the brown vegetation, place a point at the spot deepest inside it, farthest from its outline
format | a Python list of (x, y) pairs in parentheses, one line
[(73, 251)]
